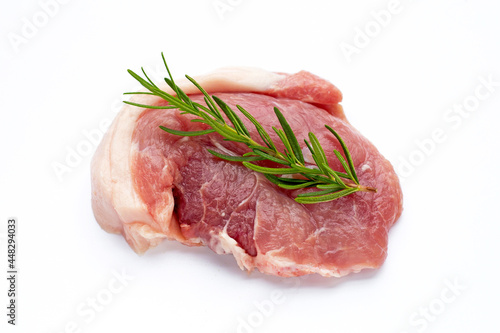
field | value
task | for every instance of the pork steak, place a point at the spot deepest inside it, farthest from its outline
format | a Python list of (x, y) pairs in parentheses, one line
[(150, 185)]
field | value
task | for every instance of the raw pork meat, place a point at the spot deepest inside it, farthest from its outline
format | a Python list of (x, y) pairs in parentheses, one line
[(150, 185)]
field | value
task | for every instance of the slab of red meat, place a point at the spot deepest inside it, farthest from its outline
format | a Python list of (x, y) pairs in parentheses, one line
[(150, 185)]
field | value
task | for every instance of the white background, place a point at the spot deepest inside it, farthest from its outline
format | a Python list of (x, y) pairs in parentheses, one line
[(64, 77)]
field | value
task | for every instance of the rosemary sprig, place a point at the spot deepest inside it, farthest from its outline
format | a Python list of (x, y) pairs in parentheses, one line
[(331, 184)]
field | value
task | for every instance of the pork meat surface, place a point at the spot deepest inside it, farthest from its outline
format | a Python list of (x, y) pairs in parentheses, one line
[(150, 185)]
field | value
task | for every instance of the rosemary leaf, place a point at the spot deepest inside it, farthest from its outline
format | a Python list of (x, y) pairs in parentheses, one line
[(327, 197), (235, 158), (149, 106), (187, 133), (315, 193), (292, 139), (235, 120), (346, 153), (344, 163), (273, 171), (270, 157), (262, 132)]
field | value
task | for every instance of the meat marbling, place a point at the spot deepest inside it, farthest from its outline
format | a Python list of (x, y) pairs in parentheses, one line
[(150, 185)]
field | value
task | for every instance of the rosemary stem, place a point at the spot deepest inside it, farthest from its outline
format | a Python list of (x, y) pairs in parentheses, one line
[(331, 184), (361, 188)]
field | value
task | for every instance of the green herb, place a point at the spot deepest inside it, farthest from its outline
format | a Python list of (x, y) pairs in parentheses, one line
[(331, 184)]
